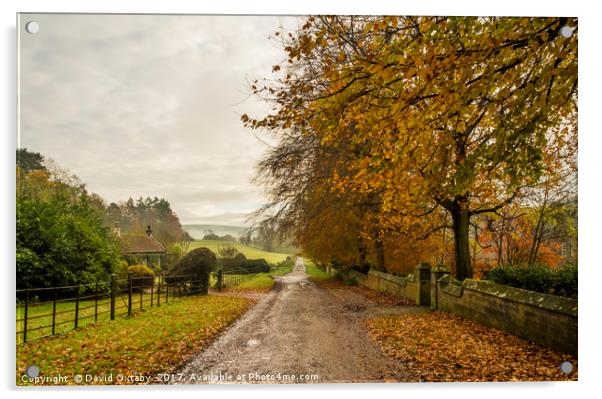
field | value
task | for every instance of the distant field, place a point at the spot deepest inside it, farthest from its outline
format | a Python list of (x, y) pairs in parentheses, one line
[(249, 252)]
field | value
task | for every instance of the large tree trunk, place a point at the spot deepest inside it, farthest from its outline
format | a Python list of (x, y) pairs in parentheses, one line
[(379, 248), (363, 266), (461, 223)]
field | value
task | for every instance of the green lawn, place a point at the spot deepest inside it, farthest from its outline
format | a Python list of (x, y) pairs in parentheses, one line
[(315, 273), (282, 269), (262, 281), (155, 341), (249, 252), (39, 315), (259, 282)]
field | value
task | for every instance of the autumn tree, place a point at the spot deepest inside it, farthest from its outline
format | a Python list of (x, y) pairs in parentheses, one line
[(452, 113), (135, 216), (60, 238)]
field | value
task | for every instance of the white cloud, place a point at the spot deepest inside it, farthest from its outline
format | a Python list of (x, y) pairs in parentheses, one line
[(150, 105)]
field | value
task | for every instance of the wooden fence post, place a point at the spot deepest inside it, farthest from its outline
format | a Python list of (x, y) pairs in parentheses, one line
[(159, 289), (129, 294), (113, 297), (77, 305), (54, 311), (25, 315), (152, 289), (220, 278), (96, 304)]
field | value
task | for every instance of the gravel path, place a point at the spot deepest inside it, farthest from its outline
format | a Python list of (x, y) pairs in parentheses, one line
[(298, 333)]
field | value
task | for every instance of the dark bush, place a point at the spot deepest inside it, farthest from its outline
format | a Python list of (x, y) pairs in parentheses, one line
[(238, 263), (257, 265), (198, 262), (561, 281), (565, 281), (240, 260)]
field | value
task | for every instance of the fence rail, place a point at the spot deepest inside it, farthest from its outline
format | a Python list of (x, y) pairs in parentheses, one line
[(234, 276), (69, 307)]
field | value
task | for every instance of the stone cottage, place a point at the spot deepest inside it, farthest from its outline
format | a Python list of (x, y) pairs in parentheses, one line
[(142, 249)]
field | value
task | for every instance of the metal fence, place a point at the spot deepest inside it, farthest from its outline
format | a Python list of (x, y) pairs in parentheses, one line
[(234, 276), (66, 308)]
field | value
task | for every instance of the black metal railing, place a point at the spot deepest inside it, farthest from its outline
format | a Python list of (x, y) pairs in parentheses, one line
[(233, 276), (69, 307)]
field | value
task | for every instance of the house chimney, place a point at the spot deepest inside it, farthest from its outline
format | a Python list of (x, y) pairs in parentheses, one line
[(149, 232), (117, 229)]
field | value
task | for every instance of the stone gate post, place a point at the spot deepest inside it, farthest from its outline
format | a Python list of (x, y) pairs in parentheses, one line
[(436, 273), (423, 279)]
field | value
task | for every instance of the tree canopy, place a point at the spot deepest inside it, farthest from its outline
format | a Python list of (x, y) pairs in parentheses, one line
[(61, 239), (416, 124)]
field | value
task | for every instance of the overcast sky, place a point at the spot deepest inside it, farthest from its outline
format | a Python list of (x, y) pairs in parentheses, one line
[(150, 105)]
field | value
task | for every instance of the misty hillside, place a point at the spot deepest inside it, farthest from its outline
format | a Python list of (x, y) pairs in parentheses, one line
[(197, 231)]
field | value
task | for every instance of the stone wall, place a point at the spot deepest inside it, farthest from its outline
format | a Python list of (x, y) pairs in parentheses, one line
[(406, 287), (400, 286), (545, 319)]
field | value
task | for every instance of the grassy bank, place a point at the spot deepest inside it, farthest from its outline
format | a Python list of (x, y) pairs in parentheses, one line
[(264, 281), (155, 341), (315, 273)]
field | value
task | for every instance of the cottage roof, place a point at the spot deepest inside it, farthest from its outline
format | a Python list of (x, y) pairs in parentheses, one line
[(140, 243)]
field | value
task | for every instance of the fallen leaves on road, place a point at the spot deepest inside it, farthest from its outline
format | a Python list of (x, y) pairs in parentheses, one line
[(439, 346), (381, 298)]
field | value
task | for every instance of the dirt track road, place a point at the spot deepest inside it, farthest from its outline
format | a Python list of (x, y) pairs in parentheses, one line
[(300, 330)]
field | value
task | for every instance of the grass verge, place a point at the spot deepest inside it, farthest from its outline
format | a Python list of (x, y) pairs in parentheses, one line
[(157, 340), (282, 269), (316, 274), (262, 282), (259, 282), (439, 346)]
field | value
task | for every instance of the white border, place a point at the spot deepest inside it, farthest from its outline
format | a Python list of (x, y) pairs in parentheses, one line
[(589, 181)]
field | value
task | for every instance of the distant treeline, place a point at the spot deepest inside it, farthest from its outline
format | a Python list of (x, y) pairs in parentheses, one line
[(134, 217), (212, 236)]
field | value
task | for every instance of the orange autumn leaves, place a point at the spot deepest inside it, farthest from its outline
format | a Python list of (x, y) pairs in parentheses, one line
[(439, 346), (455, 114)]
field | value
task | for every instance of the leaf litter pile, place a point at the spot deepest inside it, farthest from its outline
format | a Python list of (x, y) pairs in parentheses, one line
[(379, 297), (438, 346), (157, 340)]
